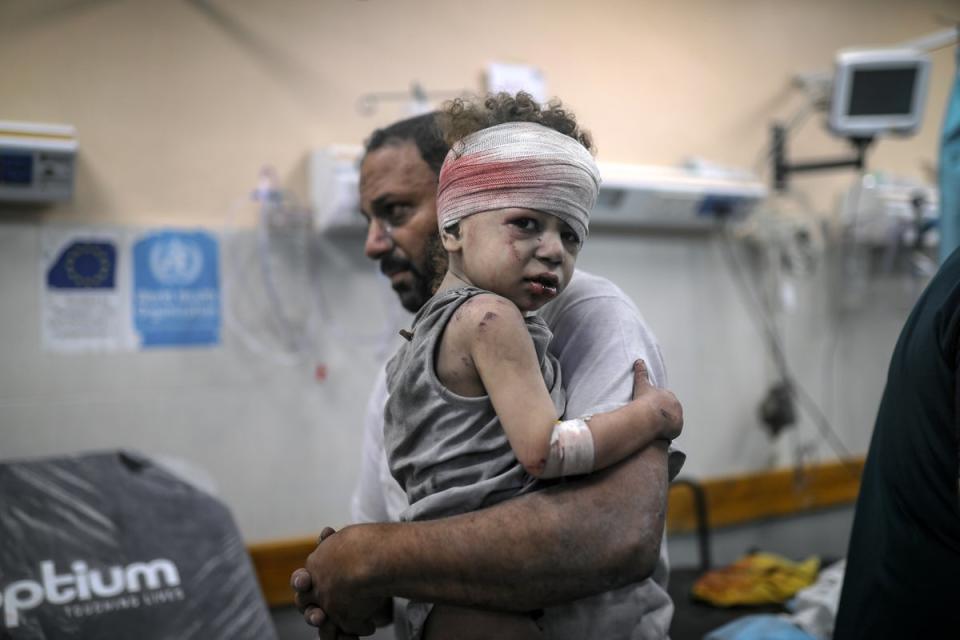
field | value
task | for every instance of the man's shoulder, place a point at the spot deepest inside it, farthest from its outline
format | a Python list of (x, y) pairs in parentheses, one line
[(587, 288), (586, 284), (598, 319)]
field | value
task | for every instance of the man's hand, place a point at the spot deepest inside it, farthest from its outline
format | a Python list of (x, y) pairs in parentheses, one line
[(302, 585), (662, 403), (324, 590)]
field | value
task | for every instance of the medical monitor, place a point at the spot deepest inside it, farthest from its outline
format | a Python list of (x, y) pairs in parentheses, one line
[(878, 91)]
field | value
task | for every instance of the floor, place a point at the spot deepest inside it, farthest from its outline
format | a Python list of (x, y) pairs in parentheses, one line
[(692, 620)]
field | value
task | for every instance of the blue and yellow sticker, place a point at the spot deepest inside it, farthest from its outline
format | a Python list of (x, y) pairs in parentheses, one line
[(84, 265)]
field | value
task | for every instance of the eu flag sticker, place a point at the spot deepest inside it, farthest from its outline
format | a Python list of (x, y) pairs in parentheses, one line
[(84, 265), (176, 289), (84, 290)]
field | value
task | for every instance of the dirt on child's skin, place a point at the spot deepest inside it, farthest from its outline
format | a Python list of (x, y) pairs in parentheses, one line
[(489, 316)]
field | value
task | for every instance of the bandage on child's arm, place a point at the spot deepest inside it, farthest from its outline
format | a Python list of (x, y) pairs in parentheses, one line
[(571, 449), (581, 445)]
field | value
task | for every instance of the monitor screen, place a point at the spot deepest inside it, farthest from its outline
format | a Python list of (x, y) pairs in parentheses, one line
[(16, 169), (877, 92)]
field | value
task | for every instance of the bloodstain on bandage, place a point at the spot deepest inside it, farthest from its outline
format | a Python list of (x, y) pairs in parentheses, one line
[(518, 165)]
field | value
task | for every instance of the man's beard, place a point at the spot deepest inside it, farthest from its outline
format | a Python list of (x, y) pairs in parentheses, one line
[(425, 280)]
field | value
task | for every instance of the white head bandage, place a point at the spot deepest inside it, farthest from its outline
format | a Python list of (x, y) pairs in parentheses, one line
[(518, 164), (571, 449)]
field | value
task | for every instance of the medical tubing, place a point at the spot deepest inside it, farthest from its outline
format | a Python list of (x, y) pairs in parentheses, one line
[(779, 355)]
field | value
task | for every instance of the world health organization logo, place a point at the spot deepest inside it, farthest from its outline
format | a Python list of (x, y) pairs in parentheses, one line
[(176, 261)]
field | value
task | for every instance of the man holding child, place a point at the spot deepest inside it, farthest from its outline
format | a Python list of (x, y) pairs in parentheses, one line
[(582, 557)]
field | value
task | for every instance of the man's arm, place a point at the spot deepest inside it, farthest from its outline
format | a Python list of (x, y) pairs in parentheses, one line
[(553, 535), (569, 541)]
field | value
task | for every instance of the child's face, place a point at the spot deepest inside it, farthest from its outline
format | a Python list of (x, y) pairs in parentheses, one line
[(524, 255)]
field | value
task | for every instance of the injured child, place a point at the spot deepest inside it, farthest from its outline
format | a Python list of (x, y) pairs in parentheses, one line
[(476, 408)]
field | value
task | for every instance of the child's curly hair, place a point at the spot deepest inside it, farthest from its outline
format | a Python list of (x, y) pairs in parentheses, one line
[(460, 117)]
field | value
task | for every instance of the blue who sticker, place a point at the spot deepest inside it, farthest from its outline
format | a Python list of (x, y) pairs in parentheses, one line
[(176, 289)]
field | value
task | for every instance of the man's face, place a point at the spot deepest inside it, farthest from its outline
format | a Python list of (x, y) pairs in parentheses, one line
[(398, 197)]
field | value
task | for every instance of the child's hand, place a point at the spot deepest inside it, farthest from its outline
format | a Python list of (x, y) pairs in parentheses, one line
[(662, 405)]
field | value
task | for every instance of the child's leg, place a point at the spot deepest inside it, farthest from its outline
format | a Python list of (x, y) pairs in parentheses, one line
[(447, 622)]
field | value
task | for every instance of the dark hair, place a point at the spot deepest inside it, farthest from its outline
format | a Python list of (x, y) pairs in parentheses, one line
[(420, 130), (461, 117)]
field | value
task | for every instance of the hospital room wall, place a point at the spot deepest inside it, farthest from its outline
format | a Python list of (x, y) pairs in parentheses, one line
[(179, 104)]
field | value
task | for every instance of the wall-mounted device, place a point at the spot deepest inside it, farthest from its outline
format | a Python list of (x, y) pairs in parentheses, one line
[(878, 91), (883, 210), (37, 162), (673, 197), (639, 196), (334, 184), (874, 92)]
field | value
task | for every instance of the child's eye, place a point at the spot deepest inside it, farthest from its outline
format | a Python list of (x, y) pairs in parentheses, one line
[(525, 224), (570, 238)]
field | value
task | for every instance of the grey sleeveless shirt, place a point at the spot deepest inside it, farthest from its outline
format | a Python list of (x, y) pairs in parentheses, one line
[(448, 451)]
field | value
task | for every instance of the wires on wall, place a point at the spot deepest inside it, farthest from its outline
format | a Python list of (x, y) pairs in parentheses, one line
[(778, 407), (278, 279)]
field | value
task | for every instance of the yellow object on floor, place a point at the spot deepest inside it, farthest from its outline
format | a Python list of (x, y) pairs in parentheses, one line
[(759, 578)]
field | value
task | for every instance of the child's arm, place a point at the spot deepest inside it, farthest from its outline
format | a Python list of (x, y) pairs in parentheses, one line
[(653, 414), (493, 332), (506, 362)]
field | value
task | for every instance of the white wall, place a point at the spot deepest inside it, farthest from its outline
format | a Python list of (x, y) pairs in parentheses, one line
[(178, 106), (280, 446)]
